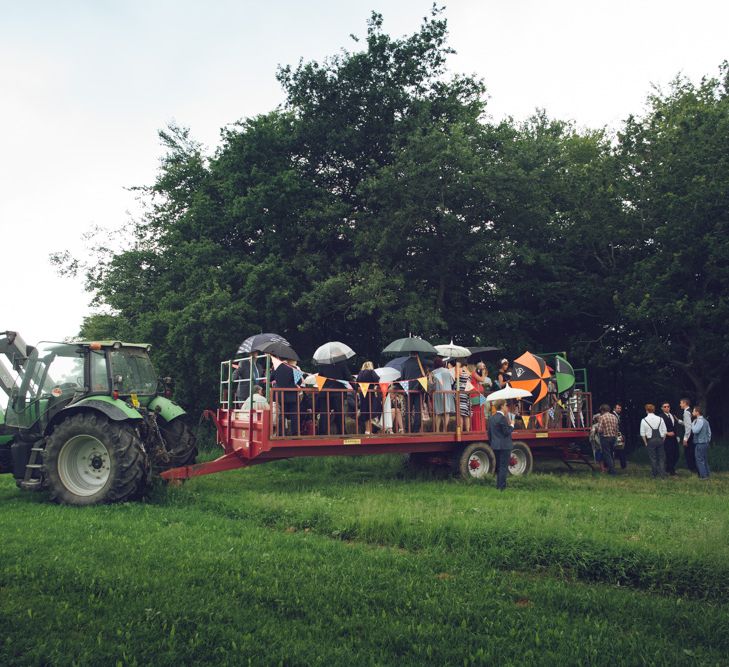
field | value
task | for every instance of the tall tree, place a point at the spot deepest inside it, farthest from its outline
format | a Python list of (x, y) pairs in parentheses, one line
[(676, 173)]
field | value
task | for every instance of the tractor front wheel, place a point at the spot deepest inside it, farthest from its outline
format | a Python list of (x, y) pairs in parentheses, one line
[(89, 459)]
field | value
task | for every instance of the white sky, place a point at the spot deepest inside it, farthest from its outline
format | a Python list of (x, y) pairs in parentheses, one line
[(84, 87)]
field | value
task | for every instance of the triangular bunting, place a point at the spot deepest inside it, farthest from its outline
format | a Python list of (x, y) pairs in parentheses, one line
[(405, 384), (540, 419), (345, 383), (526, 419), (384, 386), (364, 387), (320, 380), (423, 383)]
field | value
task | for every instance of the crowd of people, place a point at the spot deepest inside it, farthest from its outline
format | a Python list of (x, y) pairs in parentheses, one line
[(436, 395), (664, 435)]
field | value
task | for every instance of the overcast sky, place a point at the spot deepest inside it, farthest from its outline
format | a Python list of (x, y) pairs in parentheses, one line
[(84, 87)]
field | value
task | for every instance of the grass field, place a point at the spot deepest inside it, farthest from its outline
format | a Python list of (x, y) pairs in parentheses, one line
[(358, 561)]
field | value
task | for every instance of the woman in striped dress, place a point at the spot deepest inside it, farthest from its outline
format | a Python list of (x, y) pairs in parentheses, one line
[(464, 400)]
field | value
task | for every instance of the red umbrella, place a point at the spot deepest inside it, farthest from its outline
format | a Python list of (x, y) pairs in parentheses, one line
[(530, 372)]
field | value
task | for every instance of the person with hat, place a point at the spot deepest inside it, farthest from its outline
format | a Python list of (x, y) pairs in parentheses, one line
[(504, 375)]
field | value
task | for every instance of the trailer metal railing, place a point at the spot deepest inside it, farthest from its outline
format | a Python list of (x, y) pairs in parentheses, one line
[(309, 412)]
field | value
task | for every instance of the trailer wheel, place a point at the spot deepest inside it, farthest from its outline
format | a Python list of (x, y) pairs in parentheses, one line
[(417, 462), (522, 460), (477, 461), (89, 459), (181, 445)]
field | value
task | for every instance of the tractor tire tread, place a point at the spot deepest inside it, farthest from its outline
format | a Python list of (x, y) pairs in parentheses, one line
[(130, 470), (180, 436)]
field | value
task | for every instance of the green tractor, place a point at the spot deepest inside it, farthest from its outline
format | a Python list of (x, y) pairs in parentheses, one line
[(89, 421)]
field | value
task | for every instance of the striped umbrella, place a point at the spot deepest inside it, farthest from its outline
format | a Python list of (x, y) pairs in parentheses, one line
[(530, 372)]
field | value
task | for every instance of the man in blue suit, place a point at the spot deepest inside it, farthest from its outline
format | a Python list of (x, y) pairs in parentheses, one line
[(500, 430)]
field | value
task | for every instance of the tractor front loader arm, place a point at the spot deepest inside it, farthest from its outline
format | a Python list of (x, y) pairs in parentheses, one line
[(15, 349)]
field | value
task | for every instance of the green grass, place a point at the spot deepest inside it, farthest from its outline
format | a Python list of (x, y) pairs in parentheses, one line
[(356, 561)]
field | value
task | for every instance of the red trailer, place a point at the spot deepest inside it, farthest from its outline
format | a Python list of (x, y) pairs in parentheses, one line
[(262, 434)]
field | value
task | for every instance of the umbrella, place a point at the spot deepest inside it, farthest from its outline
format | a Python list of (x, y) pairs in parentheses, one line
[(396, 363), (410, 344), (310, 380), (484, 353), (530, 372), (565, 374), (451, 350), (280, 349), (388, 373), (331, 353), (254, 343), (507, 393)]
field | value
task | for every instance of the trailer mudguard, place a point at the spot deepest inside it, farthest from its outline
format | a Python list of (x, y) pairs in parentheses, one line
[(168, 410), (114, 409)]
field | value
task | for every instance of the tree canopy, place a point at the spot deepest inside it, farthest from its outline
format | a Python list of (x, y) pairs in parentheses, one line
[(381, 200)]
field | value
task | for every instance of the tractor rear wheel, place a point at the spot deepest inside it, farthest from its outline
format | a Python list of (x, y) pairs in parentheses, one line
[(89, 459), (181, 445), (477, 461)]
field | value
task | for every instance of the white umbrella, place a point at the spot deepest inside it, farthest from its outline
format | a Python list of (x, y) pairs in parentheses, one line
[(508, 392), (454, 351), (387, 374), (333, 352)]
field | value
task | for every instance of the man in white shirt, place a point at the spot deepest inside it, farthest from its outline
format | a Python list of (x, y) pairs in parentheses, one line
[(653, 433)]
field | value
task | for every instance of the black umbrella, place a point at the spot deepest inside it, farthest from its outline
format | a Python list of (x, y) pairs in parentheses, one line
[(280, 349), (410, 344), (254, 343)]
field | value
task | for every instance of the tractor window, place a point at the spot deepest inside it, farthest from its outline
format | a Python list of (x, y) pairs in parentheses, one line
[(66, 371), (132, 371), (65, 368), (99, 375), (53, 371)]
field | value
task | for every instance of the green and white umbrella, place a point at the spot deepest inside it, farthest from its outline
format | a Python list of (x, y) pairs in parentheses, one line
[(564, 373)]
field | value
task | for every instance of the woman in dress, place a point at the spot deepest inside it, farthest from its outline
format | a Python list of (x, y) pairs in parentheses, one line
[(370, 406), (503, 375), (444, 403), (478, 380), (463, 382), (396, 403)]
